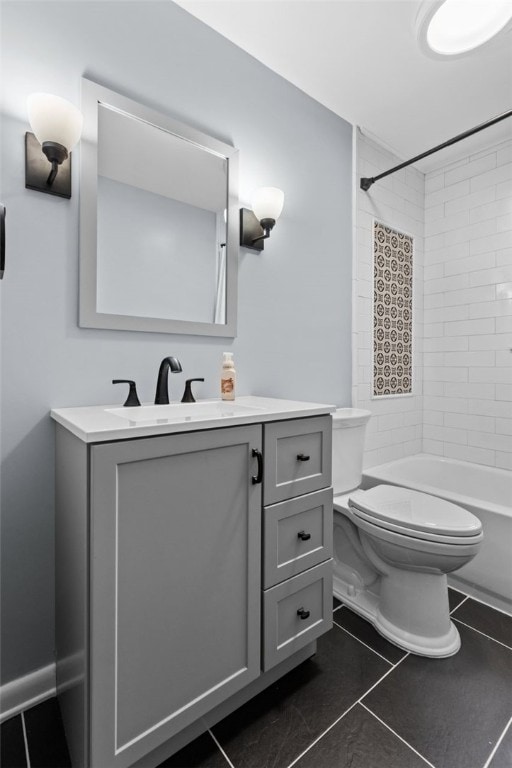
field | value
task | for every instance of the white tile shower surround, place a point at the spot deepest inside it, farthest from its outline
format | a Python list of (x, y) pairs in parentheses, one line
[(395, 429), (468, 309), (462, 402)]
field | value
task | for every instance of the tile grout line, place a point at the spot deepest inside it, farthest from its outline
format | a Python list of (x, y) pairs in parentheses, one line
[(363, 643), (503, 645), (219, 746), (459, 604), (25, 739), (385, 675), (481, 602), (315, 741), (497, 744), (427, 762)]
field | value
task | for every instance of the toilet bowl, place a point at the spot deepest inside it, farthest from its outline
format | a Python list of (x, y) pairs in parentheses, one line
[(393, 548)]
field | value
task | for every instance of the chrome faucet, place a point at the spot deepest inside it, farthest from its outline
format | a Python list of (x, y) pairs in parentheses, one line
[(162, 390)]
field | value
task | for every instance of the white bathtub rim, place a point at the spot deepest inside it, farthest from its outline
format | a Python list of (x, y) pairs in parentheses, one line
[(443, 459), (378, 473)]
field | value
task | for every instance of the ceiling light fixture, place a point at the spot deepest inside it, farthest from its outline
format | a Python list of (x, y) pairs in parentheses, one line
[(456, 27)]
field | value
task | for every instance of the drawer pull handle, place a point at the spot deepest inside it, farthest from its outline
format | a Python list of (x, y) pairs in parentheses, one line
[(302, 457), (256, 479), (303, 535), (303, 614)]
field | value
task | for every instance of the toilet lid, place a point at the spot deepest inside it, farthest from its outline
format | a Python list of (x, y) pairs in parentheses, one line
[(414, 511)]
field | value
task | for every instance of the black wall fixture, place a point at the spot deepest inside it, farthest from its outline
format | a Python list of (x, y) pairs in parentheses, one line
[(2, 241), (251, 231), (366, 182), (257, 224), (40, 173)]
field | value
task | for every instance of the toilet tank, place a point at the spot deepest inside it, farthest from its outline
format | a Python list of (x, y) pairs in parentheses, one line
[(348, 428)]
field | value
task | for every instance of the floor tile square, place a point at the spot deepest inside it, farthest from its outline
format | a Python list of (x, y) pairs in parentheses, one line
[(364, 631), (200, 753), (12, 744), (272, 729), (359, 740), (335, 603), (47, 746), (452, 710), (487, 620)]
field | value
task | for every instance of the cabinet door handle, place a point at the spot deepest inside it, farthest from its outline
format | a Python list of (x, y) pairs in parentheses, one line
[(302, 457), (302, 614), (259, 457), (303, 535)]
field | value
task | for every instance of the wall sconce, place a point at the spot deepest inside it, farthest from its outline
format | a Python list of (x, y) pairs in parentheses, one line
[(57, 125), (257, 224)]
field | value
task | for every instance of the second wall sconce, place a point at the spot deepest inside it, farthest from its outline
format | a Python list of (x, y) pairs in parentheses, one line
[(256, 224), (57, 125)]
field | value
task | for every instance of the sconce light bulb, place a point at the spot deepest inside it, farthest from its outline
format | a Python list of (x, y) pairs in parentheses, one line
[(267, 203), (54, 120)]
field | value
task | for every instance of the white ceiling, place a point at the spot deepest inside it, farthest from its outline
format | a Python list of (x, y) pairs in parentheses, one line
[(361, 59)]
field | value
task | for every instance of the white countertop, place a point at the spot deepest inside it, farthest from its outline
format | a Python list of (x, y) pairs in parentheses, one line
[(102, 423)]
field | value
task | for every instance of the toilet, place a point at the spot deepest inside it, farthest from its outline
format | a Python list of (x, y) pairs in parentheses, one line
[(393, 548)]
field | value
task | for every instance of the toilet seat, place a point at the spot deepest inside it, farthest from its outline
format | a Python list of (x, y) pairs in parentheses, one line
[(414, 514)]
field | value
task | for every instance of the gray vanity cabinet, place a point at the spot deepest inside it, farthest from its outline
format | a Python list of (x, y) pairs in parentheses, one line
[(174, 604), (193, 569)]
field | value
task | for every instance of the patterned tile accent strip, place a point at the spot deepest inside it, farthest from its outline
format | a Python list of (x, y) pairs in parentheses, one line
[(392, 311)]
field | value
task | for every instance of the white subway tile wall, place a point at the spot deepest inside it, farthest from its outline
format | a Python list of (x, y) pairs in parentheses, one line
[(395, 429), (468, 309), (461, 219)]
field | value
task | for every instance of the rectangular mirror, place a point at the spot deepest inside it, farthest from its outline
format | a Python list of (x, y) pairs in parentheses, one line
[(158, 221)]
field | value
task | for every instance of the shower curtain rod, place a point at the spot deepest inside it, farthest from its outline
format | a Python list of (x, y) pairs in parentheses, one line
[(366, 183)]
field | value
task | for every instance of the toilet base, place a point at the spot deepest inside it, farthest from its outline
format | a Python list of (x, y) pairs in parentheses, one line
[(420, 627)]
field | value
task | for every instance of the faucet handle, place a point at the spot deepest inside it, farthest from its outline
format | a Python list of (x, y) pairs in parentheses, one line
[(132, 399), (188, 397)]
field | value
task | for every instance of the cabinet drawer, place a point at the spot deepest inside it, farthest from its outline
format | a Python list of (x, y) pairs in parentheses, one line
[(296, 612), (297, 534), (297, 457)]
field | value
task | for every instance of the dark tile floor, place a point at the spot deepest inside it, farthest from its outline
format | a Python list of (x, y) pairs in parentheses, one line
[(360, 702)]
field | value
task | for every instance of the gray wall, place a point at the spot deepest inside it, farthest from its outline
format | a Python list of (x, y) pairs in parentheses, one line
[(294, 299)]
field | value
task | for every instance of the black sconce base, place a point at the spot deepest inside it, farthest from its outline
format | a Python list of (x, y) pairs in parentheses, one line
[(250, 229), (38, 168)]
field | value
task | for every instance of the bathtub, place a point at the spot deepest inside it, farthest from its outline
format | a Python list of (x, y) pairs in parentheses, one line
[(484, 491)]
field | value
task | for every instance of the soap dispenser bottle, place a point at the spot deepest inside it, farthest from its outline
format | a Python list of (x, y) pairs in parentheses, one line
[(227, 377)]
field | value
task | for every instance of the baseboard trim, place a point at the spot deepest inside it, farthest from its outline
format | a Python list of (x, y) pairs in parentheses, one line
[(27, 691)]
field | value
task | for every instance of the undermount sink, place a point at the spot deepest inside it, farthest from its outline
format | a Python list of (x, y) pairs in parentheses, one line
[(180, 412)]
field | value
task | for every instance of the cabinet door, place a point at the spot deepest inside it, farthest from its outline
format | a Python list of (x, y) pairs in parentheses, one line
[(175, 581)]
